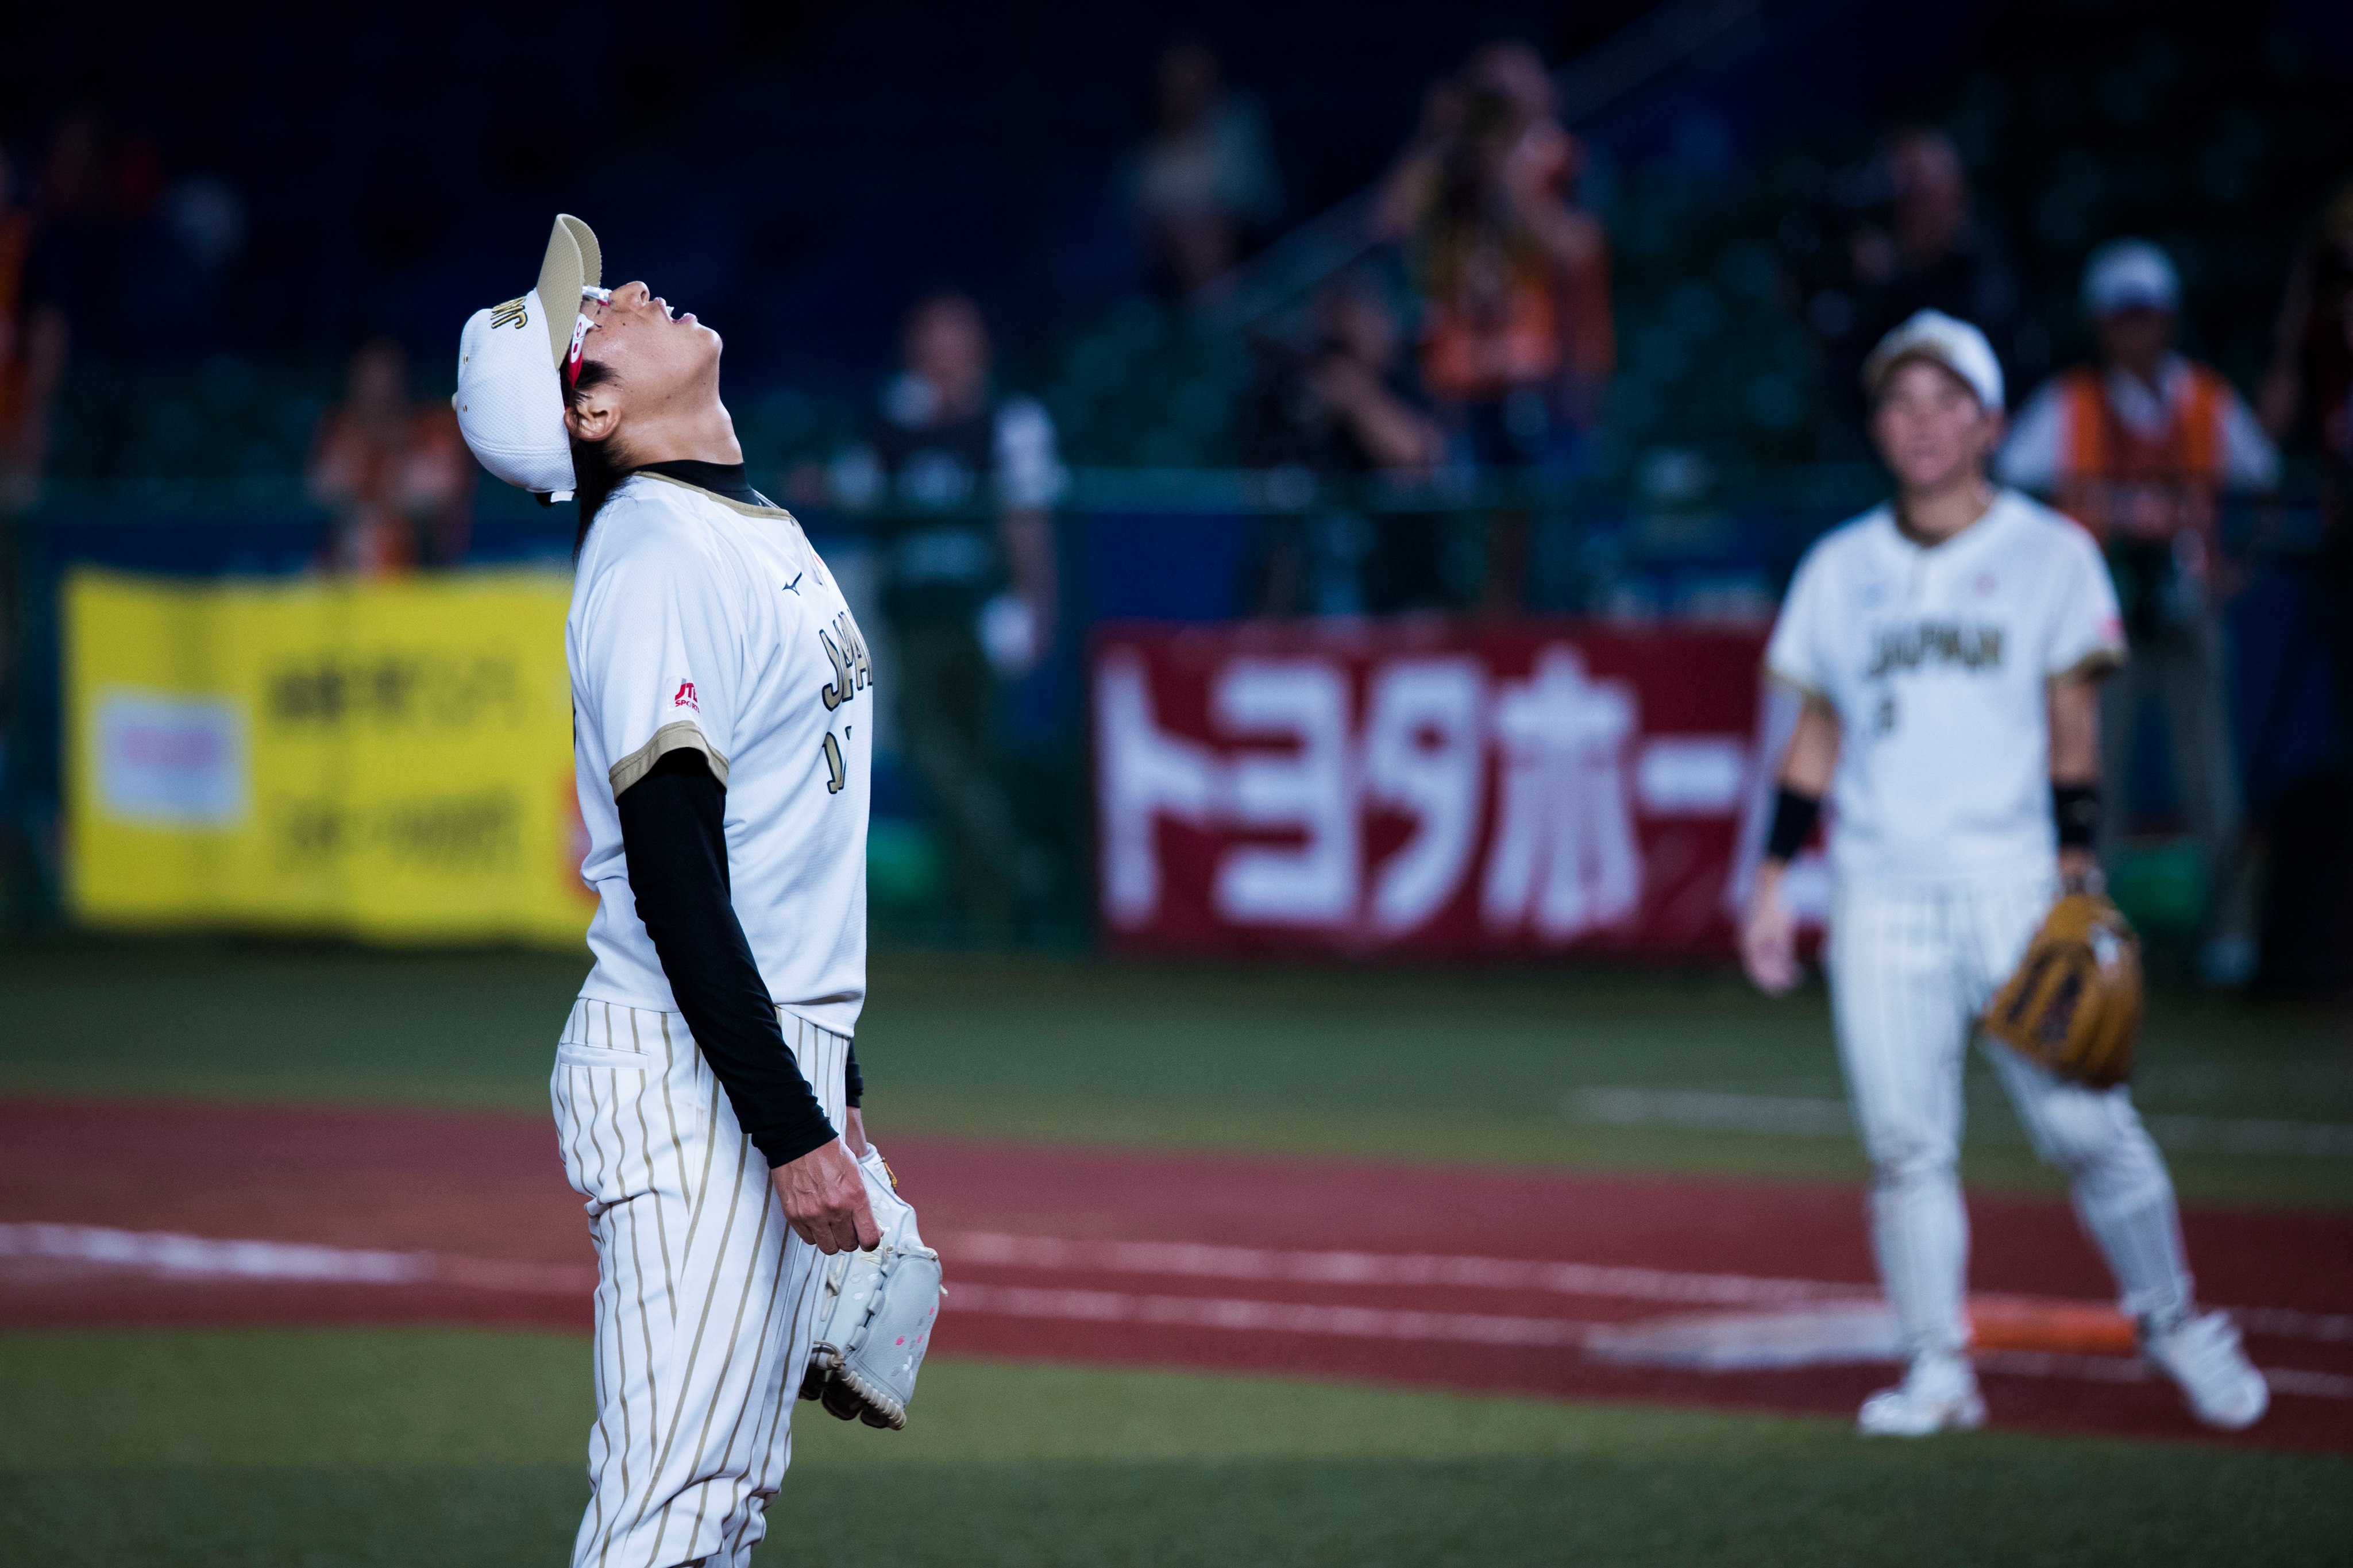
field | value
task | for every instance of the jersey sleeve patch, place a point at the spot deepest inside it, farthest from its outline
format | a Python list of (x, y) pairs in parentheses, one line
[(678, 735)]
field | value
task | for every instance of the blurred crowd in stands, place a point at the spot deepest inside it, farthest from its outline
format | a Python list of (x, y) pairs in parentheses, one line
[(1517, 327), (1511, 313)]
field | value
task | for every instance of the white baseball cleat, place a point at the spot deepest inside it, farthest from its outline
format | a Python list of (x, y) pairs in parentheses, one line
[(2202, 1354), (1938, 1393)]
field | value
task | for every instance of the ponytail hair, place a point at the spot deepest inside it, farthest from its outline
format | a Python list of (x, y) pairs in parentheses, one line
[(597, 467)]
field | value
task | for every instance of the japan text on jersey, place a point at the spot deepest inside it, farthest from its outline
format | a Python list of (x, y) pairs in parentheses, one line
[(1936, 660)]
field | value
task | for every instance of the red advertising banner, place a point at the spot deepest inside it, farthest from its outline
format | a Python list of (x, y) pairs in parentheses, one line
[(1408, 786)]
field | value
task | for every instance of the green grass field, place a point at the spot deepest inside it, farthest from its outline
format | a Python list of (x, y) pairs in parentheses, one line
[(349, 1447), (322, 1449)]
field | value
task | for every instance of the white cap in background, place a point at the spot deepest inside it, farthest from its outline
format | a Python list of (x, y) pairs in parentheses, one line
[(1949, 341), (511, 366), (2129, 275)]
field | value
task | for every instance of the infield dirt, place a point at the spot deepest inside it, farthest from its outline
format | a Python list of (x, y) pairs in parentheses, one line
[(1459, 1276)]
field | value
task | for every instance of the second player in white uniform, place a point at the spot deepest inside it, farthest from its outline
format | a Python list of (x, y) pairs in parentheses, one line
[(706, 1087), (1948, 647)]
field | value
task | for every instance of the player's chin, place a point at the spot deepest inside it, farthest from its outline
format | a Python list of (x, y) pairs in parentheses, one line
[(1931, 469)]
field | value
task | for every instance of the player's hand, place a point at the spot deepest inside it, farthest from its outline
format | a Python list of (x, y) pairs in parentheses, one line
[(1768, 935), (853, 1130), (2079, 872), (824, 1200)]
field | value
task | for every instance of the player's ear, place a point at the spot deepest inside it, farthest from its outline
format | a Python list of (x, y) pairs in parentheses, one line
[(1997, 425), (594, 410)]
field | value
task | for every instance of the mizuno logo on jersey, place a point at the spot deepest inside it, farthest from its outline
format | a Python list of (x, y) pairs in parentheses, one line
[(1900, 649), (851, 670)]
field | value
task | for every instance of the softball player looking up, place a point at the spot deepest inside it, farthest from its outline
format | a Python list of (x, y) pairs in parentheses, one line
[(1948, 648), (705, 1084)]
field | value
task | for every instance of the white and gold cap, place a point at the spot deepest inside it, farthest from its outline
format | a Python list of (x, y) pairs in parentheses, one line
[(515, 360), (1949, 341)]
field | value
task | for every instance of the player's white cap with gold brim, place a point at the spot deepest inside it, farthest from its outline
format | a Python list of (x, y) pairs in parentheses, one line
[(511, 363), (1946, 340)]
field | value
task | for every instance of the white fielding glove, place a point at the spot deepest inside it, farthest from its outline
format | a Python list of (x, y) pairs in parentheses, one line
[(874, 1317)]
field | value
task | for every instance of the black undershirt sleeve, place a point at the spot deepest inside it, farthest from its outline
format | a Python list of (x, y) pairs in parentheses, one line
[(672, 837)]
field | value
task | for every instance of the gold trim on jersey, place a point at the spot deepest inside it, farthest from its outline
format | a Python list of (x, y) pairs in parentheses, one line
[(678, 735), (2099, 662), (1789, 682), (763, 514), (728, 502)]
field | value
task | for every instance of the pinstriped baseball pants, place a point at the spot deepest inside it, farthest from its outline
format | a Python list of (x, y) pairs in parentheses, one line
[(705, 1300), (1911, 968)]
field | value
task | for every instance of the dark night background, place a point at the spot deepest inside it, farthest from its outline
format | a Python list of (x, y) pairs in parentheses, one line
[(798, 173)]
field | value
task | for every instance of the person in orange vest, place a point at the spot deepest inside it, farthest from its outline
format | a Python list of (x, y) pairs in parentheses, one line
[(1517, 345), (2140, 449)]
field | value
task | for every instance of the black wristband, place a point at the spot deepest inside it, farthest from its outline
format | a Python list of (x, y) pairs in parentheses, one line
[(1793, 824), (2075, 807)]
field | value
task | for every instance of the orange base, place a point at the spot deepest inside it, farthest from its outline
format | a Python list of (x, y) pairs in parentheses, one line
[(2037, 1324)]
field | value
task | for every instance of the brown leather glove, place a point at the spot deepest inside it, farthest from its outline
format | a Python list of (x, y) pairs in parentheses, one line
[(2075, 1004)]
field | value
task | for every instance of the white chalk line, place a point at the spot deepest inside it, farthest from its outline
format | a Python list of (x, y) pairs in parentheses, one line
[(1706, 1111), (1207, 1262), (1266, 1316), (174, 1255), (1477, 1328), (1197, 1260)]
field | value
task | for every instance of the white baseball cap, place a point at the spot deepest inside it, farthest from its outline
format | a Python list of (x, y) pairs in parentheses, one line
[(512, 361), (1949, 341), (2129, 275)]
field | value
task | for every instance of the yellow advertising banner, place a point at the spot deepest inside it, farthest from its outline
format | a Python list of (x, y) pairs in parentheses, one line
[(390, 761)]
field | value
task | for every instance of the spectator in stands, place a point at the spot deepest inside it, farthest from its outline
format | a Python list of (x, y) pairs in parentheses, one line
[(1516, 338), (32, 353), (32, 361), (99, 187), (2140, 449), (1205, 182), (2308, 403), (1345, 409), (1516, 334), (2309, 389), (394, 473), (1927, 251), (960, 481)]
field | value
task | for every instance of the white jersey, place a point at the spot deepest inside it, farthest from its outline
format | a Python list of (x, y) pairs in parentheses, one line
[(700, 621), (1936, 660)]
